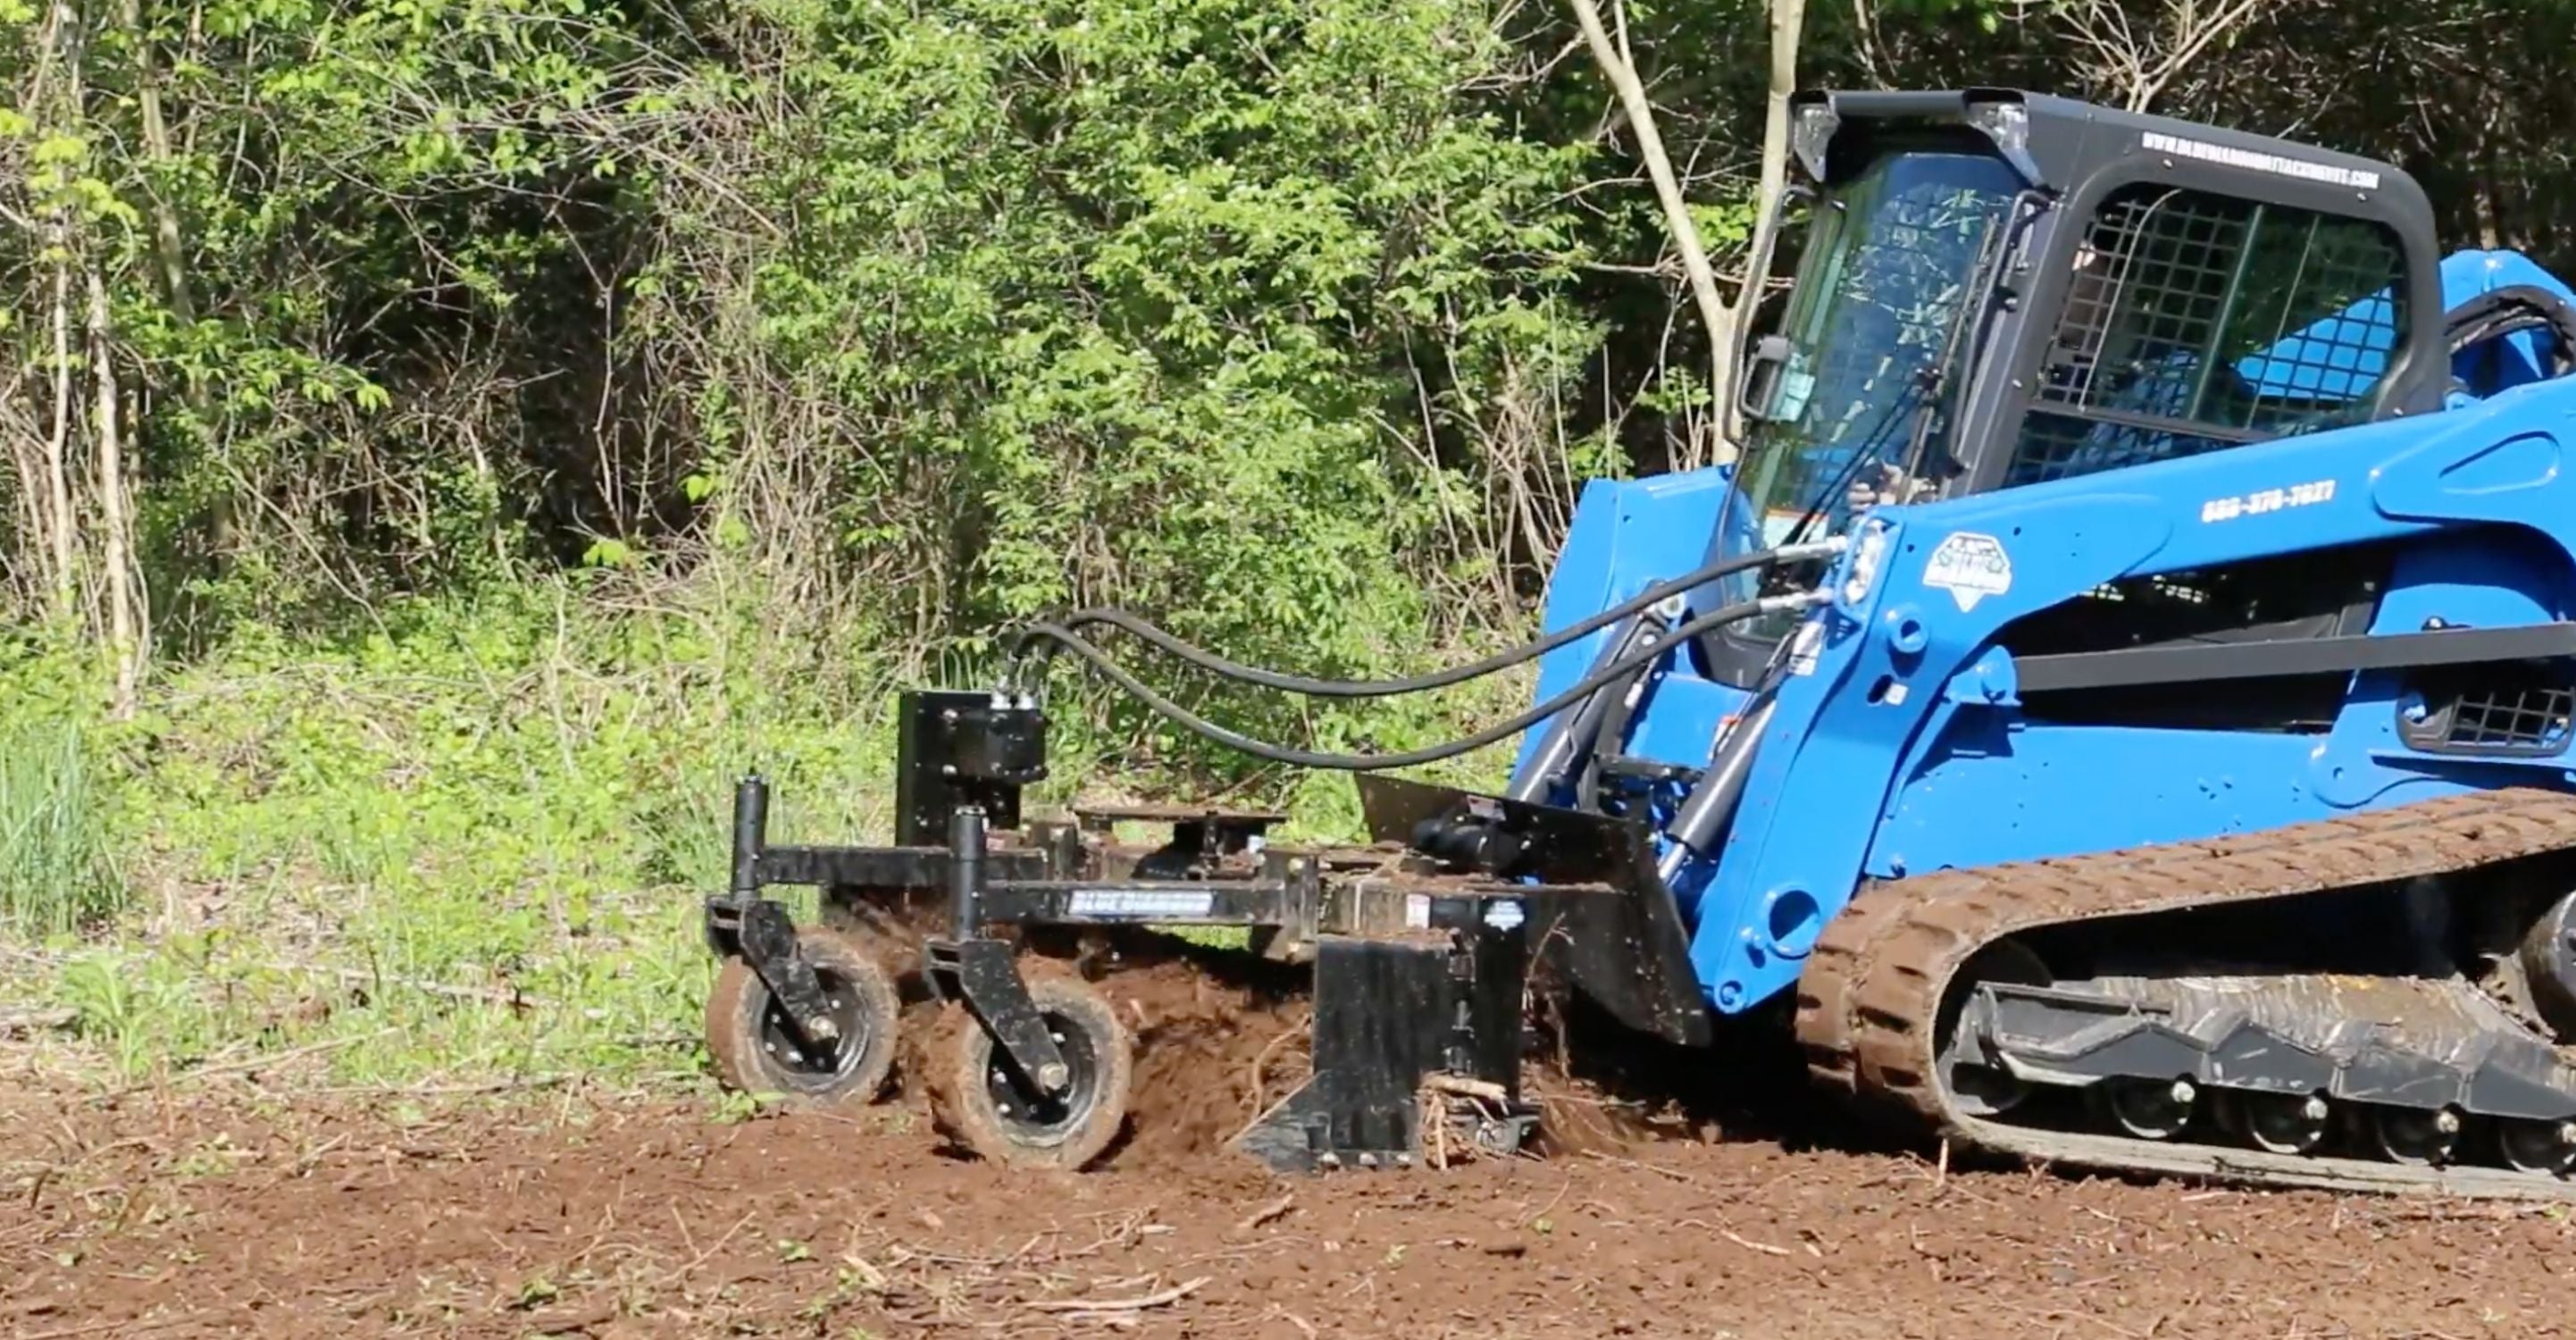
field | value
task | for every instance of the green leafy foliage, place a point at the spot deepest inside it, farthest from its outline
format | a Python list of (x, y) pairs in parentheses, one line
[(473, 840), (1153, 304), (545, 410)]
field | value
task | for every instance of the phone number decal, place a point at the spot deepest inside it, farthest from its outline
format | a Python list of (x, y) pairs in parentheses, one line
[(2267, 500)]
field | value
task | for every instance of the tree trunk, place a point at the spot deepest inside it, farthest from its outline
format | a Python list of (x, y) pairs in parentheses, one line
[(123, 629), (59, 59), (58, 482), (1788, 19), (1714, 314), (167, 252)]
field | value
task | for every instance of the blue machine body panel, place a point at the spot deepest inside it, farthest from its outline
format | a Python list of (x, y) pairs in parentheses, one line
[(1628, 535), (2481, 500)]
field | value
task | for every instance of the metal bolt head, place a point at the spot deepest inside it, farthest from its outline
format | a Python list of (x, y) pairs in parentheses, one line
[(1368, 1160), (2567, 1132), (2183, 1092), (1328, 1159), (2447, 1122), (1053, 1075), (2314, 1109)]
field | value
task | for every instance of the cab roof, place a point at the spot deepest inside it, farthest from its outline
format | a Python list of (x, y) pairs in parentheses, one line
[(2058, 144)]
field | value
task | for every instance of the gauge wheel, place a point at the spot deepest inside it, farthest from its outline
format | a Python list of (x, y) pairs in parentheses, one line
[(986, 1107), (757, 1051)]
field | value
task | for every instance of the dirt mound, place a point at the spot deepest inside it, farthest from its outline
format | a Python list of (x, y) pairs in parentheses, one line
[(1221, 1037)]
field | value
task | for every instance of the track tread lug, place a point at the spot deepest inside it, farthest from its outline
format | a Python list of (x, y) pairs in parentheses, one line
[(1877, 975)]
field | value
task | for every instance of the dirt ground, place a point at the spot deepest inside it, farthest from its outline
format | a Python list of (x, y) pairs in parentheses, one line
[(171, 1217), (211, 1209)]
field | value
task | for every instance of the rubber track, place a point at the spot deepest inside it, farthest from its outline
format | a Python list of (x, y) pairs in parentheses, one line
[(1870, 997)]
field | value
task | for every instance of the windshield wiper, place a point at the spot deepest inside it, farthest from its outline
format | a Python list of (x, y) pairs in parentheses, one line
[(1915, 395), (1923, 390)]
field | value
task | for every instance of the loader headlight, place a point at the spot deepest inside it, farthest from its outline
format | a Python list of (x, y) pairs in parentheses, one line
[(1867, 557)]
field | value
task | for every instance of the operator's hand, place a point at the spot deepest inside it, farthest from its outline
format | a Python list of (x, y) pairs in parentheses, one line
[(1887, 484)]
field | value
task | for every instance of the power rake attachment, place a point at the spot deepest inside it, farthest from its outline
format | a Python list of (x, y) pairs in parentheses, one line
[(1419, 966)]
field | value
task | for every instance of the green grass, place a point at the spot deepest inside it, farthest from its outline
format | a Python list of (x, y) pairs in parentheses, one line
[(468, 847), (55, 876)]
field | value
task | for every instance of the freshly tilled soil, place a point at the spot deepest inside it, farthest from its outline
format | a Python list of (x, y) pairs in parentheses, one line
[(201, 1212)]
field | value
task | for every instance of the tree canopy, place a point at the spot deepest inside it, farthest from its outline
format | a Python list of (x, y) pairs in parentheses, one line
[(1298, 322)]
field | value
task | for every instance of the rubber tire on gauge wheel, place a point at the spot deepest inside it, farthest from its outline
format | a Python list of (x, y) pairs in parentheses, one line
[(965, 1069), (748, 1036)]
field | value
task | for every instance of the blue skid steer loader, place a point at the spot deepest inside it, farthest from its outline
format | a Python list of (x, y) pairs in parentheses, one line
[(2115, 712)]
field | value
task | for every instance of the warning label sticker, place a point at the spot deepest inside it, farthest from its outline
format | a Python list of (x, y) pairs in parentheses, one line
[(1970, 567), (1134, 904)]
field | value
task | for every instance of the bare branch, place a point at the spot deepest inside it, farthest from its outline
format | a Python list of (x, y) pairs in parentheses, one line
[(1787, 17), (2193, 42), (1714, 314)]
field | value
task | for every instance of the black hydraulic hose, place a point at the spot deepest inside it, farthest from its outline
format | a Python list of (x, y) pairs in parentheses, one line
[(2510, 311), (1298, 758), (1501, 660)]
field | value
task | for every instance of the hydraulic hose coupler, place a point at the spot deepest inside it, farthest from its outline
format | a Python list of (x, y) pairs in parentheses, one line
[(1831, 546), (1795, 601)]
